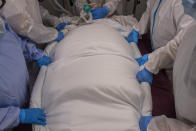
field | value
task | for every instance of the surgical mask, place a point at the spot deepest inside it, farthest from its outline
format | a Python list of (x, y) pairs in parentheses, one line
[(2, 28)]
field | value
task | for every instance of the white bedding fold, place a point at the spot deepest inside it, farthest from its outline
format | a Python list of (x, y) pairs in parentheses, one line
[(91, 84)]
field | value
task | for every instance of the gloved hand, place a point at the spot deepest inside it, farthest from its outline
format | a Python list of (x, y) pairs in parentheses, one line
[(62, 25), (32, 116), (144, 122), (142, 60), (101, 12), (144, 76), (133, 37), (60, 36), (44, 60)]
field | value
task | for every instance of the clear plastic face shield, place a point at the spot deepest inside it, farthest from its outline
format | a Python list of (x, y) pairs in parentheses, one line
[(190, 7)]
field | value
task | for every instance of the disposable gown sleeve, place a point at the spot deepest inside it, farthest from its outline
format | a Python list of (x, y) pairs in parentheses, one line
[(37, 32), (164, 57), (162, 123), (47, 18), (112, 5), (30, 51), (9, 117), (144, 24)]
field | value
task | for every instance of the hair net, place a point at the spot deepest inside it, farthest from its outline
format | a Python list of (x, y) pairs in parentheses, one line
[(185, 76)]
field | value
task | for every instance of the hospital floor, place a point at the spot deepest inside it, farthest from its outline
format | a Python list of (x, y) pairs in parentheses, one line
[(162, 90)]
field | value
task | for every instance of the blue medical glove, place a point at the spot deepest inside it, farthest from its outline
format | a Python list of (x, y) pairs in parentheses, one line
[(62, 25), (144, 76), (133, 37), (101, 12), (45, 60), (60, 36), (32, 116), (144, 122), (142, 60)]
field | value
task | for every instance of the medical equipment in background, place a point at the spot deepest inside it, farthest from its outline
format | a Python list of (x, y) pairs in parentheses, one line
[(132, 9), (136, 2), (85, 14), (58, 7)]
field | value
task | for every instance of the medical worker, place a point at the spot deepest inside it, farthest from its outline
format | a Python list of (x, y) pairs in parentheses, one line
[(14, 79), (102, 8), (184, 82), (26, 17), (167, 21)]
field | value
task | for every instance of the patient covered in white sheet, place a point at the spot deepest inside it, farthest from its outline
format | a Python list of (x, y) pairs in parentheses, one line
[(91, 84)]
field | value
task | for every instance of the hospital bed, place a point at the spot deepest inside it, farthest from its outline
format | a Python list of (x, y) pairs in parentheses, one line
[(91, 84)]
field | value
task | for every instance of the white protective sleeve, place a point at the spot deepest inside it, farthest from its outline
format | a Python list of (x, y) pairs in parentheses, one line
[(25, 19), (184, 87), (91, 84), (162, 123), (164, 56)]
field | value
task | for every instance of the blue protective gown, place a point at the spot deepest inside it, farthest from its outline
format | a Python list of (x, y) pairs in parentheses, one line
[(14, 76)]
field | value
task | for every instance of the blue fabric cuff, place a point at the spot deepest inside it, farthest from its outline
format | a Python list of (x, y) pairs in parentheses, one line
[(107, 10), (22, 115), (135, 32)]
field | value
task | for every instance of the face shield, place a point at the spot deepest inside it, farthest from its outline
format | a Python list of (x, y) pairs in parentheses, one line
[(190, 7)]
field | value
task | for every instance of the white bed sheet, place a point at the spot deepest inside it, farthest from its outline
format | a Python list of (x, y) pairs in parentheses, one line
[(91, 84)]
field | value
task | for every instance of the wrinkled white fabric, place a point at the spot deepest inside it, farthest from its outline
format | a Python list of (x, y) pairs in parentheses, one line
[(162, 123), (163, 58), (25, 18), (184, 77), (91, 84), (122, 24), (170, 21)]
